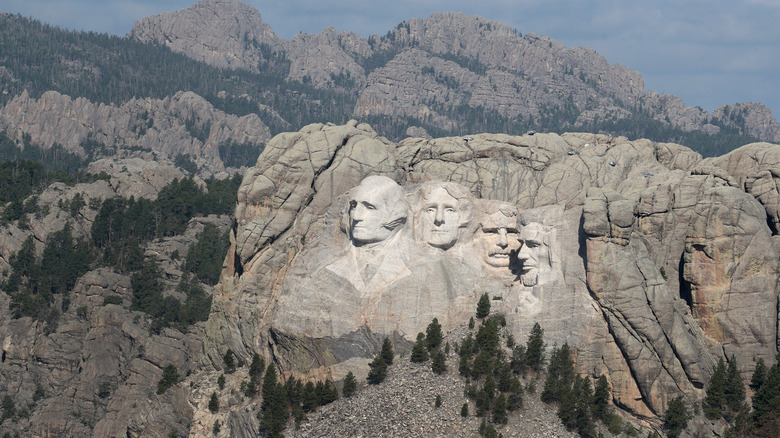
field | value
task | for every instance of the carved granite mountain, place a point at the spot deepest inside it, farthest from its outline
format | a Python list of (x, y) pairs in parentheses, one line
[(429, 69), (653, 263)]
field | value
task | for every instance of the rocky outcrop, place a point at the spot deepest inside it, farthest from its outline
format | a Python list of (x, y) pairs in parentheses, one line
[(184, 123), (447, 63), (654, 258)]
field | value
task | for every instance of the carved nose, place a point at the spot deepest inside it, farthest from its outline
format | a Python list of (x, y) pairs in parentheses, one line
[(502, 242), (439, 219), (358, 213)]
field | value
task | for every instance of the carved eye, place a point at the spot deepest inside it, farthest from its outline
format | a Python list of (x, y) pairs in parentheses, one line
[(532, 244), (430, 210), (352, 204), (369, 206), (451, 210)]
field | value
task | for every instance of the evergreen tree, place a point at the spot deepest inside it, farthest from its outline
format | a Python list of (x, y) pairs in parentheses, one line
[(515, 399), (713, 402), (467, 346), (169, 378), (482, 364), (766, 401), (471, 323), (499, 410), (483, 306), (257, 366), (350, 385), (734, 388), (214, 403), (420, 350), (560, 375), (221, 381), (676, 417), (309, 398), (600, 403), (463, 366), (582, 388), (387, 352), (438, 364), (216, 428), (275, 411), (518, 362), (230, 362), (378, 371), (269, 384), (759, 375), (534, 348), (437, 403), (464, 410), (433, 335)]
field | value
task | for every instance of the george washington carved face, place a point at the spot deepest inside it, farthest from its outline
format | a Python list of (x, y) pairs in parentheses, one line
[(377, 208)]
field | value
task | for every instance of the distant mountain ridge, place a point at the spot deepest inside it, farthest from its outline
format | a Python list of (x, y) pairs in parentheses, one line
[(444, 69)]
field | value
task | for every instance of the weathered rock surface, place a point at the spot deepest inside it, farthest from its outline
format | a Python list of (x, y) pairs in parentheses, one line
[(423, 67), (160, 126), (660, 262)]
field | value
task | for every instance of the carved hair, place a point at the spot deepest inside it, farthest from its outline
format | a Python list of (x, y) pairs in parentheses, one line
[(457, 191)]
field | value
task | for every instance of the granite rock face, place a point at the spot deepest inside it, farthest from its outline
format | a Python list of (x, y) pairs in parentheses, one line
[(650, 262), (426, 68), (184, 123)]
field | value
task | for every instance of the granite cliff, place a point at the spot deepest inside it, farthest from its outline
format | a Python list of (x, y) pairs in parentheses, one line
[(659, 262)]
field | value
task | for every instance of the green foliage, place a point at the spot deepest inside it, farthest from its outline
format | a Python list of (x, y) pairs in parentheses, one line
[(499, 410), (230, 361), (714, 401), (112, 299), (464, 410), (214, 403), (169, 378), (560, 375), (378, 371), (221, 382), (734, 389), (676, 417), (239, 154), (483, 306), (387, 352), (471, 323), (185, 163), (534, 348), (257, 366), (433, 335), (420, 349), (437, 403), (275, 410), (438, 362), (350, 385), (600, 403), (766, 400), (204, 257), (216, 428), (9, 408), (759, 375)]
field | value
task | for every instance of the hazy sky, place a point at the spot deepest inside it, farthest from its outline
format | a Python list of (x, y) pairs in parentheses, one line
[(708, 52)]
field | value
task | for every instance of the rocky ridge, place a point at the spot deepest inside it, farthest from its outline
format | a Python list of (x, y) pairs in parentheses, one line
[(182, 124), (425, 69)]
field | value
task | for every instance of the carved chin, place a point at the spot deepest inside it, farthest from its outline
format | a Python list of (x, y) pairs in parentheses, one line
[(530, 278)]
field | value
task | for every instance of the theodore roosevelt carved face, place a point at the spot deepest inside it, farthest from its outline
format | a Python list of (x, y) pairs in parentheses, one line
[(496, 236), (444, 209), (377, 208)]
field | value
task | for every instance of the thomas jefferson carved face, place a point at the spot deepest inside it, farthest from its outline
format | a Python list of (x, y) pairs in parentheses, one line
[(496, 238), (531, 251), (445, 209), (376, 210)]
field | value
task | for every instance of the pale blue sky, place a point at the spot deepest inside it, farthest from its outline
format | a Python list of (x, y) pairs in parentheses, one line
[(708, 52)]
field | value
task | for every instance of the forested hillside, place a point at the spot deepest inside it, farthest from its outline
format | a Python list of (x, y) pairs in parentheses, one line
[(109, 69)]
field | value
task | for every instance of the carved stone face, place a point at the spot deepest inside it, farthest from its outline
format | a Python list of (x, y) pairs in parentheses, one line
[(496, 239), (530, 253), (440, 218), (376, 209)]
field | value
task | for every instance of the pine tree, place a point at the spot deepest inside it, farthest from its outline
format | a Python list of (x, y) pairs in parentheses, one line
[(257, 366), (230, 362), (499, 410), (221, 381), (438, 364), (378, 371), (433, 334), (759, 375), (437, 403), (275, 411), (676, 417), (350, 385), (584, 391), (600, 403), (387, 352), (269, 383), (309, 400), (483, 306), (766, 401), (515, 399), (169, 378), (419, 350), (464, 410), (216, 428), (214, 403), (560, 375), (471, 323), (534, 348), (713, 402), (734, 388)]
